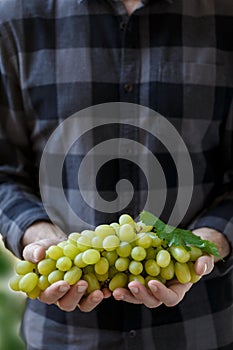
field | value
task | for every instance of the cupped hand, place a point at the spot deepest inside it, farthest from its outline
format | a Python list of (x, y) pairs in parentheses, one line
[(157, 293), (66, 297)]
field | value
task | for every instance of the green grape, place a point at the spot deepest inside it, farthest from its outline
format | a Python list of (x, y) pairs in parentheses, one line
[(46, 266), (182, 272), (119, 252), (119, 280), (125, 219), (88, 269), (135, 267), (102, 278), (122, 264), (112, 272), (102, 266), (14, 282), (88, 233), (54, 252), (43, 282), (163, 258), (62, 244), (111, 257), (195, 253), (127, 233), (28, 282), (116, 227), (180, 254), (73, 275), (161, 279), (158, 249), (103, 231), (124, 249), (143, 240), (23, 267), (97, 243), (91, 256), (78, 261), (138, 253), (194, 276), (156, 241), (93, 283), (150, 253), (73, 237), (83, 243), (168, 272), (151, 267), (111, 242), (143, 227), (137, 278), (34, 293), (71, 250), (64, 263), (55, 276)]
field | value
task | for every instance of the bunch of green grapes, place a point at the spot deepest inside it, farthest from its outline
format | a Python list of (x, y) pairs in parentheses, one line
[(110, 256)]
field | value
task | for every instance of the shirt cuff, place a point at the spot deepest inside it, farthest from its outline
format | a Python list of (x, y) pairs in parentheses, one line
[(15, 231)]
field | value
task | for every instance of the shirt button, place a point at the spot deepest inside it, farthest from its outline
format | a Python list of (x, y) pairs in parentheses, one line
[(132, 333), (122, 25), (128, 87)]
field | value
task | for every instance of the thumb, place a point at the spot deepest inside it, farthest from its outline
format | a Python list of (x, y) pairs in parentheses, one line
[(35, 252), (204, 265)]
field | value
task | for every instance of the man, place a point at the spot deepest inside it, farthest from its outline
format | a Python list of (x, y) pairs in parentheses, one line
[(59, 57)]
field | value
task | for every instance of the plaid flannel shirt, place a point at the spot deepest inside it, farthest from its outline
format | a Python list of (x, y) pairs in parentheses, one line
[(59, 57)]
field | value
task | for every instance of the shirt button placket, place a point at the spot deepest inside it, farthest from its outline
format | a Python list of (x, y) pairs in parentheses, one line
[(122, 25), (128, 87), (132, 340), (132, 333), (129, 59)]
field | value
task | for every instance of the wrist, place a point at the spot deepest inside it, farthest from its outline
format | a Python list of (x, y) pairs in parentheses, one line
[(41, 230)]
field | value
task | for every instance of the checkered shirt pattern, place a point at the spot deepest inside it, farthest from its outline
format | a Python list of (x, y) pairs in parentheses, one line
[(175, 57)]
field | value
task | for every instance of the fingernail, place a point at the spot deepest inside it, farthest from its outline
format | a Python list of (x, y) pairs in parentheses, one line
[(153, 288), (120, 297), (205, 269), (81, 289), (95, 300), (134, 290), (63, 289)]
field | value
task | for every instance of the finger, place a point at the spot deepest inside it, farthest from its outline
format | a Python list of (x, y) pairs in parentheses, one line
[(91, 301), (69, 301), (54, 292), (138, 294), (169, 296), (126, 295), (144, 295), (204, 265), (106, 293), (34, 252)]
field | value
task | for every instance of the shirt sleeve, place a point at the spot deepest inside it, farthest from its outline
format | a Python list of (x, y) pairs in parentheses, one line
[(219, 215), (20, 203)]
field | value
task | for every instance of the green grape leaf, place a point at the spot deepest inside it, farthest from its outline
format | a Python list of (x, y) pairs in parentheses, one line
[(177, 236)]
